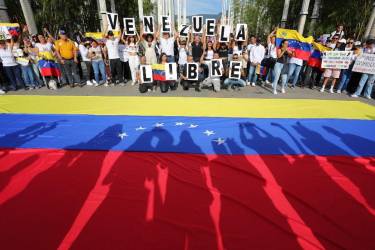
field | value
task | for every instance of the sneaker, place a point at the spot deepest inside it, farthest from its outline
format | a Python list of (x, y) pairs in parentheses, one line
[(338, 91), (354, 96), (122, 84), (368, 97), (322, 90), (268, 82), (331, 91), (253, 84), (2, 92), (275, 92), (247, 83), (89, 83), (106, 84), (283, 90), (132, 83)]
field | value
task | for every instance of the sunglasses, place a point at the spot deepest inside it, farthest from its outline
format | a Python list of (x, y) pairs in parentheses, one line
[(350, 42)]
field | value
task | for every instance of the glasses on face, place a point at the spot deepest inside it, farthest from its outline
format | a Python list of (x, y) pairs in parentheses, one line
[(350, 42)]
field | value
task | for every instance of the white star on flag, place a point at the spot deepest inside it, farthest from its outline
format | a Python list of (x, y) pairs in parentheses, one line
[(180, 123), (140, 128), (219, 141), (209, 132), (193, 126), (159, 125), (123, 135)]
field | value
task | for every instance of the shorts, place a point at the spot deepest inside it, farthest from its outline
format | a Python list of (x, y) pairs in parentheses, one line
[(335, 73)]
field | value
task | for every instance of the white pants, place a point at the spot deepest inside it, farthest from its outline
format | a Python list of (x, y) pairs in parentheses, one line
[(133, 65)]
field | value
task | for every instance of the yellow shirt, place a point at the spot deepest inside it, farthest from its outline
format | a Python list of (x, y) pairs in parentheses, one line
[(66, 48)]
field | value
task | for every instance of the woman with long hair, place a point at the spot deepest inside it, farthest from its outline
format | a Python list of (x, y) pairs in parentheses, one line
[(281, 68), (165, 85)]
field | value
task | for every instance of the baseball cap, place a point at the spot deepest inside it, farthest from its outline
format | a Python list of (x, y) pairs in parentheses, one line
[(110, 33)]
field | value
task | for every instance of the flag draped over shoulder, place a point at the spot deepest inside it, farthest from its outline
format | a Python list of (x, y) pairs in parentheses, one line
[(315, 59), (301, 45)]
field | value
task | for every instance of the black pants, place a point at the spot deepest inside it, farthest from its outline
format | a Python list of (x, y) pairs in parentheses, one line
[(126, 71), (186, 84), (166, 85), (311, 77), (116, 70), (71, 71), (90, 73), (144, 87)]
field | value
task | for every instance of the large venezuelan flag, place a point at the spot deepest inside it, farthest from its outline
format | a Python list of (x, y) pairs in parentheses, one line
[(186, 173), (301, 45), (315, 59)]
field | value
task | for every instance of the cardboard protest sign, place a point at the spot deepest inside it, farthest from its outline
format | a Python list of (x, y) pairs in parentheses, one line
[(210, 27), (216, 68), (146, 73), (365, 63), (113, 22), (171, 72), (192, 71), (129, 26), (241, 30), (235, 69), (224, 33), (166, 26), (197, 24), (336, 59), (148, 25), (184, 30)]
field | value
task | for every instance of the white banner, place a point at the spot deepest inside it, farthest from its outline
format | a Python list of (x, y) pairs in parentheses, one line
[(336, 59), (146, 73), (4, 33), (365, 63), (171, 71)]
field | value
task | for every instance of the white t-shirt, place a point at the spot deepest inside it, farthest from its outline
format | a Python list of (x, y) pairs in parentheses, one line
[(167, 46), (84, 53), (123, 53), (112, 48), (249, 47), (182, 58), (272, 51), (7, 57), (296, 61), (44, 47)]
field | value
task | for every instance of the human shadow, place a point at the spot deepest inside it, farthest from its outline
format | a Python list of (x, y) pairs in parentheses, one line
[(45, 209), (138, 214), (16, 139), (248, 216)]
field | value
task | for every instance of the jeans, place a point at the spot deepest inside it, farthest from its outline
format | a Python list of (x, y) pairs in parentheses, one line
[(89, 70), (294, 71), (71, 71), (270, 75), (229, 82), (116, 70), (212, 81), (277, 69), (252, 77), (170, 59), (13, 74), (37, 74), (28, 76), (99, 67), (345, 78), (366, 78)]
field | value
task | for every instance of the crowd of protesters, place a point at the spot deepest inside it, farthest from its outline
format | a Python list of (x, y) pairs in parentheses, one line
[(116, 61)]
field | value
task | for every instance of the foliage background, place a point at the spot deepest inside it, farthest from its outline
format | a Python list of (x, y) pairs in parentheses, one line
[(261, 15)]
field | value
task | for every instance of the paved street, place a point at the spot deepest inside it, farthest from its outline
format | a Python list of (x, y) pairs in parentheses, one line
[(247, 92)]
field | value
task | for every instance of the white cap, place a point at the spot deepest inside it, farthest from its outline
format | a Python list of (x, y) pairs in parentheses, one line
[(342, 40), (357, 43)]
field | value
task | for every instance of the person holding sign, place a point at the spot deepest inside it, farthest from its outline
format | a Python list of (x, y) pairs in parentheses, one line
[(159, 71), (148, 42), (366, 79), (331, 73), (112, 51), (192, 75), (216, 71), (281, 66), (346, 74), (235, 74), (167, 43), (144, 76), (11, 68), (196, 48), (132, 49)]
